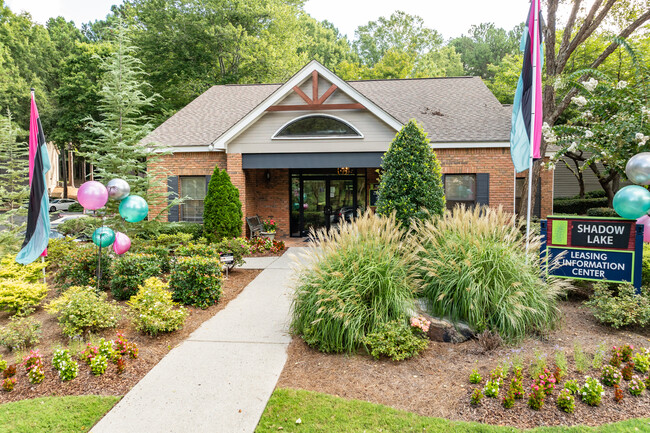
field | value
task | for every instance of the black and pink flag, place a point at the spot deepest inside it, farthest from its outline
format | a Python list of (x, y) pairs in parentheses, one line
[(38, 218), (526, 132)]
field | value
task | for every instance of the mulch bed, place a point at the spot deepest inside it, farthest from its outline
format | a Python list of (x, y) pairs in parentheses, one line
[(152, 349), (436, 382)]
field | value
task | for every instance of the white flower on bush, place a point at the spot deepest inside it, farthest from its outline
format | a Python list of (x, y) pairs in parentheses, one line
[(551, 166), (587, 114), (588, 134), (580, 101), (573, 147), (590, 84), (548, 134), (646, 112), (559, 84), (621, 84), (641, 138)]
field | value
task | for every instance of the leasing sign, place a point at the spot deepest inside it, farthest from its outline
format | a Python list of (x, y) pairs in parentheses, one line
[(601, 249)]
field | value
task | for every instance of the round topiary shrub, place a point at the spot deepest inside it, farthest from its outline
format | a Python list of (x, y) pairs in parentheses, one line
[(474, 269), (196, 281), (153, 309), (356, 279)]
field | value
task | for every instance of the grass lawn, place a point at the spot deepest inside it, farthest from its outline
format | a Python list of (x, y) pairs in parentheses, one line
[(326, 413), (54, 414)]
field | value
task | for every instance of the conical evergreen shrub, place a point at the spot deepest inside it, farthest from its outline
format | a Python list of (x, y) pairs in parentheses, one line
[(222, 214), (411, 179)]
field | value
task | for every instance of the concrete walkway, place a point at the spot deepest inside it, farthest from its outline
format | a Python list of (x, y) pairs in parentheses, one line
[(221, 377)]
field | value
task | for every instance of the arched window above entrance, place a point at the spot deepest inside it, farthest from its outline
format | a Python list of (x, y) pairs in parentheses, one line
[(317, 126)]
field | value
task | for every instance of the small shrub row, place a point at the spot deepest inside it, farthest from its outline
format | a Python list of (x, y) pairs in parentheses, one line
[(196, 281), (577, 206)]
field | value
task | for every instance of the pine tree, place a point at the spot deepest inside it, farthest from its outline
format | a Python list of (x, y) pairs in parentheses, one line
[(411, 179), (115, 151), (222, 214), (14, 185)]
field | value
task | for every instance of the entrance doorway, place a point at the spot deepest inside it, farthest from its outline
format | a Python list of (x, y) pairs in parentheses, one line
[(325, 198)]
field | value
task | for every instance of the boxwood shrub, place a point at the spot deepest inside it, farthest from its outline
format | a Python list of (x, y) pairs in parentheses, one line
[(577, 206), (196, 281), (130, 271), (602, 212)]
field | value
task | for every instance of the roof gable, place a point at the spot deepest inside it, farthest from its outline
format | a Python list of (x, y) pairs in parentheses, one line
[(314, 101)]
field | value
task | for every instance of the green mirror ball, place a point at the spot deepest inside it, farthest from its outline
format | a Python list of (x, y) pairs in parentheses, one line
[(103, 237), (134, 208)]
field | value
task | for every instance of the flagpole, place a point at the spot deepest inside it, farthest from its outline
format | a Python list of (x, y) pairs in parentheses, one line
[(532, 120)]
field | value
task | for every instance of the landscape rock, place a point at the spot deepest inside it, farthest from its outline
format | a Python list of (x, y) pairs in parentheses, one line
[(443, 330)]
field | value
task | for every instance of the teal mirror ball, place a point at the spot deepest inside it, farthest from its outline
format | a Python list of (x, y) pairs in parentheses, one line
[(632, 202), (103, 237), (134, 208)]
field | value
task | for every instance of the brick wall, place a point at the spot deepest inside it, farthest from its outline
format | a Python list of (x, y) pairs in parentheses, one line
[(270, 199), (181, 164)]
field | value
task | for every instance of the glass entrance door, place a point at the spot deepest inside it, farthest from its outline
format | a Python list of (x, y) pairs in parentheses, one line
[(324, 200), (314, 204)]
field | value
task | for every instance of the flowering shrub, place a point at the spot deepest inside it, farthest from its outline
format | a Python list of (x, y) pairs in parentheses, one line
[(196, 281), (105, 348), (497, 375), (89, 353), (238, 247), (260, 245), (33, 359), (153, 310), (615, 361), (611, 376), (121, 345), (572, 386), (491, 388), (270, 226), (65, 365), (8, 384), (98, 365), (628, 370), (81, 310), (566, 401), (545, 382), (121, 365), (395, 340), (536, 398), (420, 323), (509, 399), (618, 394), (642, 361), (647, 382), (475, 377), (517, 387), (592, 391), (622, 308), (477, 396), (610, 125), (624, 352), (36, 374), (636, 386)]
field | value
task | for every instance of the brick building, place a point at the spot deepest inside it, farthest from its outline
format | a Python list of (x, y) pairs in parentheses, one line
[(307, 152)]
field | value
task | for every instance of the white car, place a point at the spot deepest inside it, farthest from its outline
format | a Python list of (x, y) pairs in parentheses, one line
[(61, 204)]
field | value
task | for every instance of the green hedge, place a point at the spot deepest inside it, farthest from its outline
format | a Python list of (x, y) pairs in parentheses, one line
[(602, 212), (196, 281), (130, 271), (577, 206)]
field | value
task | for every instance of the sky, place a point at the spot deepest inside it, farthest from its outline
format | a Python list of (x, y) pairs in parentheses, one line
[(450, 18)]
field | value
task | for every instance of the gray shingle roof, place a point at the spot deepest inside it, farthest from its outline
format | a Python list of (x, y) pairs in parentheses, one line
[(458, 109)]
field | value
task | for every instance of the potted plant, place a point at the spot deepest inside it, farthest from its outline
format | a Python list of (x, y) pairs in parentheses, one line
[(270, 227)]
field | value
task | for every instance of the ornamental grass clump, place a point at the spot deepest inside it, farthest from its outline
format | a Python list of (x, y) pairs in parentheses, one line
[(355, 279), (473, 268)]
